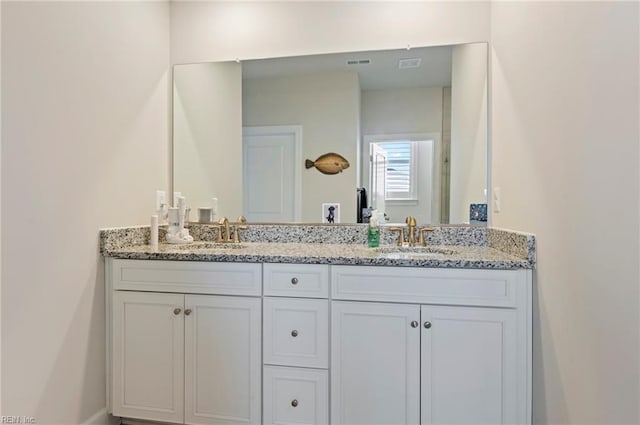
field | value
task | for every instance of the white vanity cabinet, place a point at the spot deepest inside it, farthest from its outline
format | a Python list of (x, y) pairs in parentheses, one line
[(230, 343), (183, 357), (408, 362)]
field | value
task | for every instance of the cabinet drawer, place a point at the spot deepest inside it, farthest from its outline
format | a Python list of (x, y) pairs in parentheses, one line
[(495, 288), (187, 277), (295, 396), (296, 280), (296, 332)]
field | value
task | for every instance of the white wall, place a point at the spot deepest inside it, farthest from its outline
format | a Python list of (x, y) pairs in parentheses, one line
[(0, 212), (408, 111), (468, 129), (394, 111), (327, 106), (566, 155), (214, 31), (84, 146), (207, 129)]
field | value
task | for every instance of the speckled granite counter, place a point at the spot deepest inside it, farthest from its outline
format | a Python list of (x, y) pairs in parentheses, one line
[(510, 250)]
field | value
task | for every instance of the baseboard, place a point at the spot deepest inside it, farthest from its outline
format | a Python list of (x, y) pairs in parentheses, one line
[(126, 421), (102, 418)]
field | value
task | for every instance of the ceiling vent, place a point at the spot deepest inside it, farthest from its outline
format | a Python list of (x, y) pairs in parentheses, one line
[(409, 63), (358, 61)]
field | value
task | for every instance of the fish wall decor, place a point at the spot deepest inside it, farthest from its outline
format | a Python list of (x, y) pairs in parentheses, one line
[(329, 163)]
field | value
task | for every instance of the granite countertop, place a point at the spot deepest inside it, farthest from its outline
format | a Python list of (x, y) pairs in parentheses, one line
[(453, 256)]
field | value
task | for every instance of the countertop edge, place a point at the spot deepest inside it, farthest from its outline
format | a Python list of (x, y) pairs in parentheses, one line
[(459, 263)]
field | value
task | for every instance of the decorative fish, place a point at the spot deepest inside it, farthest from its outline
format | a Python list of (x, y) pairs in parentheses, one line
[(329, 163)]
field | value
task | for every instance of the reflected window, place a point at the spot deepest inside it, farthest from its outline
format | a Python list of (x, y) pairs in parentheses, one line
[(401, 182)]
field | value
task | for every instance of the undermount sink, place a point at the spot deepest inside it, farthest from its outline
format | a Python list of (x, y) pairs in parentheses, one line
[(414, 251), (207, 245)]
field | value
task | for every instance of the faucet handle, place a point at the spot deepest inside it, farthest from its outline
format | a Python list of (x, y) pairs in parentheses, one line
[(236, 233), (400, 231), (218, 228), (241, 219), (421, 240)]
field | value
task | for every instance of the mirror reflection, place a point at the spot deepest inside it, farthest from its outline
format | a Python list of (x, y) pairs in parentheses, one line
[(301, 139)]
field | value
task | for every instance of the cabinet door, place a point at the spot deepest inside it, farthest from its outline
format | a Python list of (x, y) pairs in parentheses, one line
[(148, 350), (468, 365), (375, 363), (222, 360)]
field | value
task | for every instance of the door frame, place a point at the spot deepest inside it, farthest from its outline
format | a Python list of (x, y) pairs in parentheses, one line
[(296, 131)]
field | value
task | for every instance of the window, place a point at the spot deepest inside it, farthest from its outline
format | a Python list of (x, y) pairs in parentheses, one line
[(401, 170)]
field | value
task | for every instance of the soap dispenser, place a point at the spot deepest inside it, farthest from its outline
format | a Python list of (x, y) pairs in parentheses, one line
[(373, 232)]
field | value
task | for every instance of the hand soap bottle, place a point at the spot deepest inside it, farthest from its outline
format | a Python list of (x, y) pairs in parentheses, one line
[(373, 233)]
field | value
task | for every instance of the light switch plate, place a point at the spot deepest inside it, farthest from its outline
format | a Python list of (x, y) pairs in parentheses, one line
[(497, 199)]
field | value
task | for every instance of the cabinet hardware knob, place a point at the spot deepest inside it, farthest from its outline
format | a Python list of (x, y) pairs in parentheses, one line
[(177, 311), (294, 333), (187, 312), (294, 403), (415, 324), (294, 281), (427, 325)]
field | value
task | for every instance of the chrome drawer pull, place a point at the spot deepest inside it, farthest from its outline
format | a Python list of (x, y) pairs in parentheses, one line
[(294, 281), (294, 403), (294, 333)]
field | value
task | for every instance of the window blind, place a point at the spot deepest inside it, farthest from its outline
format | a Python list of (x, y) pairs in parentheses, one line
[(398, 167)]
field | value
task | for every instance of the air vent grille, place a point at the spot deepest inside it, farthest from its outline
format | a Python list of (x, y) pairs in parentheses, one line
[(358, 61), (409, 63)]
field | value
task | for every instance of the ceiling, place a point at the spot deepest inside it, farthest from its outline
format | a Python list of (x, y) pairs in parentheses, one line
[(381, 73)]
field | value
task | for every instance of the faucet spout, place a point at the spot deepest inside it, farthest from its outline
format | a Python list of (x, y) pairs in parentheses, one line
[(411, 224), (224, 222)]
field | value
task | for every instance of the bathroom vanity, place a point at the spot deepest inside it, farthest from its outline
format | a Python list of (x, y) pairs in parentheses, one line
[(280, 333)]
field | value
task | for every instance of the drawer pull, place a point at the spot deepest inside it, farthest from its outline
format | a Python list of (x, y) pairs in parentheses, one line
[(177, 311), (187, 312), (294, 280), (415, 324), (427, 325), (294, 333), (294, 403)]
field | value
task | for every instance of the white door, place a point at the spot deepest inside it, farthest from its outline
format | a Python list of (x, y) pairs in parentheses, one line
[(375, 363), (378, 184), (148, 349), (222, 360), (468, 366), (271, 168)]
